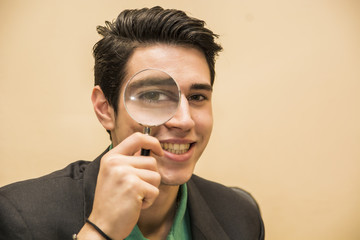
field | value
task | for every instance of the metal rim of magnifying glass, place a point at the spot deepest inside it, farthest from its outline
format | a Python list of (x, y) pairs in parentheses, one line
[(147, 69)]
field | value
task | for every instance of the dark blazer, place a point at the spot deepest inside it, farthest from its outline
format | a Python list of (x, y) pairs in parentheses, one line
[(56, 206)]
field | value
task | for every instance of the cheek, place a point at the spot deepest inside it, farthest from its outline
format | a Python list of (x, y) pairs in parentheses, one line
[(204, 122)]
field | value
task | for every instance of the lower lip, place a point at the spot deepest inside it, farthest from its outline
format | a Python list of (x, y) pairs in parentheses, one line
[(180, 157)]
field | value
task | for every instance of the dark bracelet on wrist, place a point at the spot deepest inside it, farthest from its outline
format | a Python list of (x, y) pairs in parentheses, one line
[(98, 230)]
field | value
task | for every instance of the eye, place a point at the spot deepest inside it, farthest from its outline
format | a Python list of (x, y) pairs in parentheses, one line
[(153, 96), (197, 98), (156, 96), (150, 96)]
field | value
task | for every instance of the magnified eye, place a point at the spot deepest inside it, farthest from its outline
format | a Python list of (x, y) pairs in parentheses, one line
[(153, 96)]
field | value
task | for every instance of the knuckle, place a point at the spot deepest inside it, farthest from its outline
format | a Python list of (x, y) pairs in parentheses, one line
[(131, 180), (157, 179), (138, 135), (152, 161), (153, 193), (109, 160), (121, 171), (156, 192)]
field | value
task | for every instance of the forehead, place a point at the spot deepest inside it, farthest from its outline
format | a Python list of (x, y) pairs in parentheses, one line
[(187, 65)]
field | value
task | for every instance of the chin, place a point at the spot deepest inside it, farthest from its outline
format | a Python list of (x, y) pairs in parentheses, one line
[(175, 178)]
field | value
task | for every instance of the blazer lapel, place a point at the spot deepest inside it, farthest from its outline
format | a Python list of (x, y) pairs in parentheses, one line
[(90, 179), (204, 224)]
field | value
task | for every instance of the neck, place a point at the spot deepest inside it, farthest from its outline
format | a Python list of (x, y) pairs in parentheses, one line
[(156, 221)]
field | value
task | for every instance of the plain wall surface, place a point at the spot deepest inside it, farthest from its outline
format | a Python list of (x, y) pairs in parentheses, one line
[(286, 102)]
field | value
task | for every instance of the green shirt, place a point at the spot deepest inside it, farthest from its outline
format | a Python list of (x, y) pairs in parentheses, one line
[(181, 227)]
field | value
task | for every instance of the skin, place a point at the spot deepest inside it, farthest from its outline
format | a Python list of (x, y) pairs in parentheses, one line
[(147, 186)]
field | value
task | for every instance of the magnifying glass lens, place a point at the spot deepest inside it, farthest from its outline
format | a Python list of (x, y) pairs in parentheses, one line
[(151, 97)]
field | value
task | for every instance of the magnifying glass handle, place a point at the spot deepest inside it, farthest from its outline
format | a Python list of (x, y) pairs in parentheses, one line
[(146, 152)]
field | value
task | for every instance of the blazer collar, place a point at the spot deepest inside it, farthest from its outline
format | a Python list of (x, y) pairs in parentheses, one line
[(203, 222)]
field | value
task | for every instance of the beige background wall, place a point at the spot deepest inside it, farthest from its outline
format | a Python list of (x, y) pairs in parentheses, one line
[(286, 102)]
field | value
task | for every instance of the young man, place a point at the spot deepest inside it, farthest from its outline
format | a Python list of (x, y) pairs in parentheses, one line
[(121, 194)]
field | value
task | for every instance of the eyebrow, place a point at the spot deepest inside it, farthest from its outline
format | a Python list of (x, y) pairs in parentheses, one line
[(167, 81), (152, 82), (201, 86)]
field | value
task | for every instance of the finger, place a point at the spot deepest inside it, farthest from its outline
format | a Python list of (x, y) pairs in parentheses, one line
[(150, 195), (136, 142), (144, 192), (112, 161), (144, 162), (149, 176)]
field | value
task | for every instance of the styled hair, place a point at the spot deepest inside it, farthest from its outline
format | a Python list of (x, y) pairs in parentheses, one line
[(142, 27)]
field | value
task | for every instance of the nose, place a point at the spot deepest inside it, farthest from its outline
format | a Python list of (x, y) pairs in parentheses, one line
[(182, 118)]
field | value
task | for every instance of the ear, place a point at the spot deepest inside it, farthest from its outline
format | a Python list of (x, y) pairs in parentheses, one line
[(103, 110)]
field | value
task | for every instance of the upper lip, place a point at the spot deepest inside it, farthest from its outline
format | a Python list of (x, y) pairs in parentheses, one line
[(177, 140)]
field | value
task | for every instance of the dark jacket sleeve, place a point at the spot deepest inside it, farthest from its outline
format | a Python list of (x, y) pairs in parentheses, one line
[(12, 225), (49, 207)]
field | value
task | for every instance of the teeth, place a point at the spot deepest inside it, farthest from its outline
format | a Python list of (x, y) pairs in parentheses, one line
[(175, 147)]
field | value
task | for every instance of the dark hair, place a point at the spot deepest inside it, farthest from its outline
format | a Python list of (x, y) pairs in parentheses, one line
[(141, 27)]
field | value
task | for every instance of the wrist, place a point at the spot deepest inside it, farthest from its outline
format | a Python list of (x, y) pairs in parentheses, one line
[(93, 225), (88, 233)]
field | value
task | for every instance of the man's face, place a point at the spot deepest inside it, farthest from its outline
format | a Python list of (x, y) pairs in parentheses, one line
[(190, 128)]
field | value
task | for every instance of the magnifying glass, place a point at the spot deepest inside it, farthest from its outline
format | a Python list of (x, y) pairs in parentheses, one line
[(151, 97)]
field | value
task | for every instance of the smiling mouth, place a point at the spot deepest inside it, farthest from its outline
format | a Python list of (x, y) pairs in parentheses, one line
[(176, 148)]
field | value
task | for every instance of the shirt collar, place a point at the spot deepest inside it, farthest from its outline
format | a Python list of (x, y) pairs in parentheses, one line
[(181, 226)]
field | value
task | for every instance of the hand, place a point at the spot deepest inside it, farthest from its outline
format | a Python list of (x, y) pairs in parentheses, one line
[(127, 183)]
